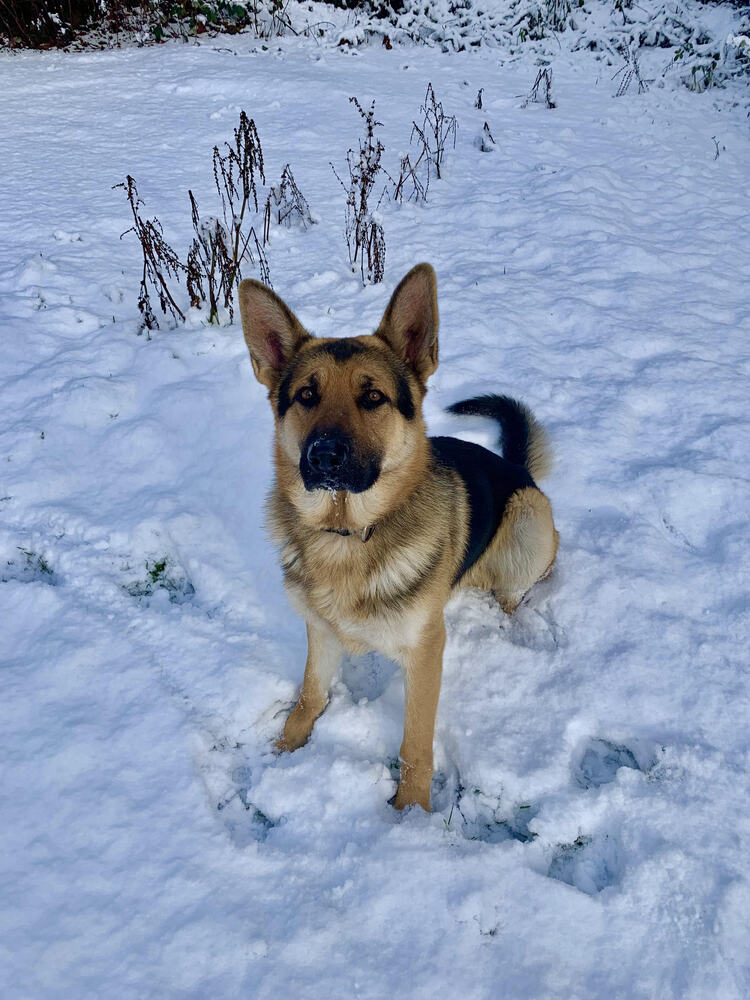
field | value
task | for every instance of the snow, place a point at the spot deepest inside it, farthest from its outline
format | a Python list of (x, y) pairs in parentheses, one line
[(591, 828)]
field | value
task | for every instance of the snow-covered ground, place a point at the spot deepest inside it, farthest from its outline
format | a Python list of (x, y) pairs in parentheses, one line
[(591, 834)]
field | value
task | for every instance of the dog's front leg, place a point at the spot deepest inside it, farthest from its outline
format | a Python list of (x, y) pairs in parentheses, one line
[(423, 669), (324, 654)]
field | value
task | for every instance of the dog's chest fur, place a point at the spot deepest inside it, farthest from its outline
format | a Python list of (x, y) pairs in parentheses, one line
[(373, 594)]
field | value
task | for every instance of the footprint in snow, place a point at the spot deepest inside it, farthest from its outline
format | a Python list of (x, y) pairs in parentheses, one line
[(594, 863), (534, 628), (600, 761), (478, 815), (244, 822), (589, 864), (487, 818), (228, 777), (368, 676), (475, 615)]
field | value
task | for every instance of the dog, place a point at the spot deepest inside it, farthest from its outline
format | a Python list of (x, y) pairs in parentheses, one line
[(377, 523)]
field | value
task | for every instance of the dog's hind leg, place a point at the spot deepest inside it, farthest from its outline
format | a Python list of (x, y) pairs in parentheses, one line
[(423, 668), (324, 655), (522, 551)]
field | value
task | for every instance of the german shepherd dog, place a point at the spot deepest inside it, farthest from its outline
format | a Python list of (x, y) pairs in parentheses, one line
[(377, 523)]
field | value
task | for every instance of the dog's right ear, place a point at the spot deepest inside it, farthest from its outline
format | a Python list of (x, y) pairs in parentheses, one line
[(273, 333)]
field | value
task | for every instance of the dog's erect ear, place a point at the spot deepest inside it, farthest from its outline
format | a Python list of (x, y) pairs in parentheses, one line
[(273, 333), (410, 323)]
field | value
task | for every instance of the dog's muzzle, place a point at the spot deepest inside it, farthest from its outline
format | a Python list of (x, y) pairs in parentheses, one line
[(330, 461)]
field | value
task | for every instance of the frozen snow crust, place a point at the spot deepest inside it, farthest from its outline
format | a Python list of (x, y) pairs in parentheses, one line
[(591, 829)]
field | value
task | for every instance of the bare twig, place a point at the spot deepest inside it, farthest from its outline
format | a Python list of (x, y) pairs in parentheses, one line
[(486, 140), (236, 173), (630, 71), (209, 264), (542, 83), (365, 239), (435, 131), (409, 180), (160, 262)]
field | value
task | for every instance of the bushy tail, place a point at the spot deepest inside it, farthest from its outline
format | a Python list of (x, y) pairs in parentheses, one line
[(523, 441)]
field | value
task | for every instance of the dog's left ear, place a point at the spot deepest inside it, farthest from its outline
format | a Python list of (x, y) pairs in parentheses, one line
[(410, 323)]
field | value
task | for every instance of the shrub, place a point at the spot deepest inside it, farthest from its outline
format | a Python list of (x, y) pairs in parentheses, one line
[(365, 239), (160, 262), (222, 248), (436, 130)]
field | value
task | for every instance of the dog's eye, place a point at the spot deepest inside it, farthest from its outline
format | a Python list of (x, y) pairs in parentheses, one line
[(371, 399), (307, 395)]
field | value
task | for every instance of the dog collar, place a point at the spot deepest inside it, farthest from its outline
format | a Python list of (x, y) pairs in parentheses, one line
[(366, 532)]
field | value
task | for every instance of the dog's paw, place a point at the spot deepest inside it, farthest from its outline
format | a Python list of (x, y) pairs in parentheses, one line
[(288, 744), (267, 724), (411, 794), (297, 728), (290, 741)]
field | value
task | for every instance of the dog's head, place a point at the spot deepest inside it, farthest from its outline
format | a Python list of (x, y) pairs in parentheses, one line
[(348, 410)]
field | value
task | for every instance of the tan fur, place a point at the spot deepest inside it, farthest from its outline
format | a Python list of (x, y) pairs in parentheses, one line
[(386, 593), (522, 551)]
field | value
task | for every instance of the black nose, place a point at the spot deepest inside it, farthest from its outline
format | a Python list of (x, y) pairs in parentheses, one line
[(328, 453)]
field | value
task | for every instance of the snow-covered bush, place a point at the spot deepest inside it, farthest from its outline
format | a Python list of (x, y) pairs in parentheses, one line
[(684, 41), (712, 64), (47, 23), (286, 205), (698, 43), (44, 23), (540, 19)]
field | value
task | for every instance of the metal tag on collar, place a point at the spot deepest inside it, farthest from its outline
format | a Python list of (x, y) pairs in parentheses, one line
[(367, 532)]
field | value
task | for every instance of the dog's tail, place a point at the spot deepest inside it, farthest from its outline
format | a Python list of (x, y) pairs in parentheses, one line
[(523, 440)]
